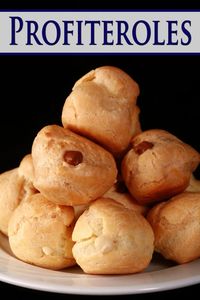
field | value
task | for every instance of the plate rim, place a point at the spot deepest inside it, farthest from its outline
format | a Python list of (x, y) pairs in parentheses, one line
[(101, 290), (147, 282)]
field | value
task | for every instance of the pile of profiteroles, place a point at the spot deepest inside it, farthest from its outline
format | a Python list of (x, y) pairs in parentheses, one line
[(99, 192)]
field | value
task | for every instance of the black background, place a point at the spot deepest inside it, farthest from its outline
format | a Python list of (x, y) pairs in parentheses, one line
[(33, 90)]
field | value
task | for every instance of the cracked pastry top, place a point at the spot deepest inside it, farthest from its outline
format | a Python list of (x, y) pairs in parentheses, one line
[(158, 166), (111, 239), (40, 233), (102, 107)]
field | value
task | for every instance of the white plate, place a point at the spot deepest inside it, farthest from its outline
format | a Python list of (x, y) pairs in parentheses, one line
[(161, 275)]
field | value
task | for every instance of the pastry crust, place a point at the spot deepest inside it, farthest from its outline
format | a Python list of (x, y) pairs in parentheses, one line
[(102, 107), (79, 209), (40, 233), (120, 196), (111, 239), (125, 199), (26, 168), (11, 191), (194, 185), (70, 169), (158, 166), (176, 227), (15, 186), (26, 172), (116, 81)]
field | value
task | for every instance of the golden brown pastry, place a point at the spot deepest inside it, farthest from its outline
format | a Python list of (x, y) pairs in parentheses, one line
[(15, 186), (194, 185), (79, 209), (11, 191), (102, 107), (26, 168), (26, 171), (111, 239), (119, 193), (70, 169), (158, 166), (40, 233), (176, 227)]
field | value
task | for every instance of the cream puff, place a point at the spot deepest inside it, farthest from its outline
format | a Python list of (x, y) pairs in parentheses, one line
[(40, 233), (158, 166), (102, 107), (111, 239), (11, 193), (69, 169), (176, 227), (15, 186)]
